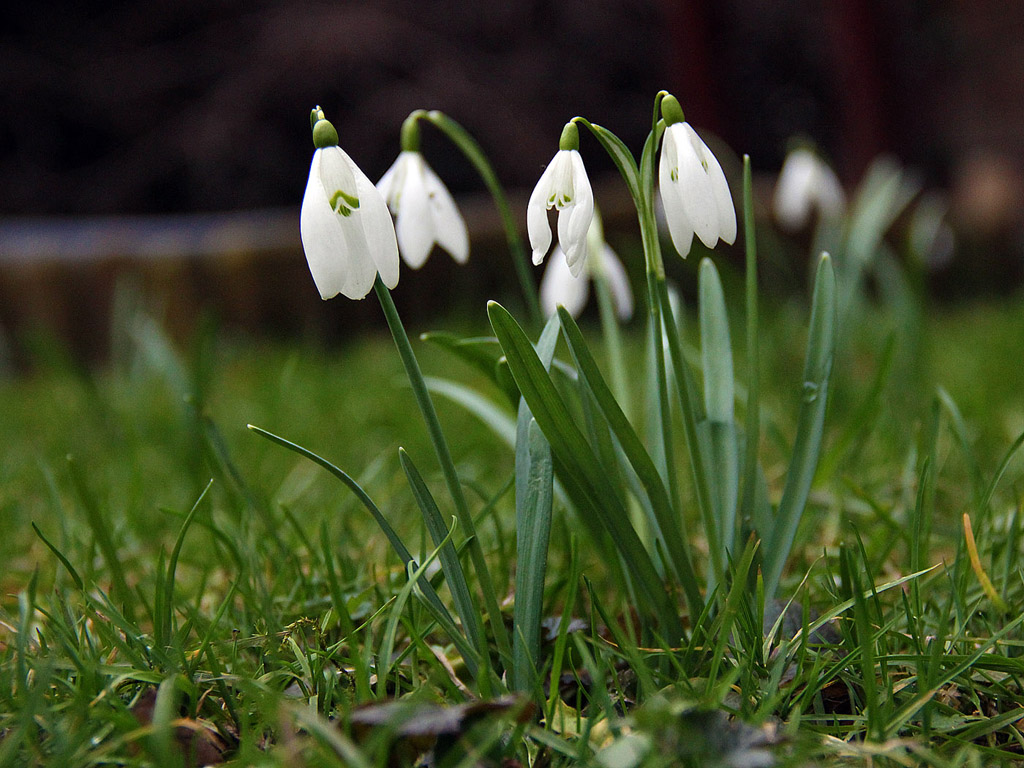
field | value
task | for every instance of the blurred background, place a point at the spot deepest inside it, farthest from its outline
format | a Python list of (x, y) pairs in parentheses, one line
[(167, 144)]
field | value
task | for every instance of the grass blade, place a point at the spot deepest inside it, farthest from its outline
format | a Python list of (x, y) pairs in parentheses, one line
[(415, 575), (448, 470), (101, 531), (164, 621), (396, 543), (810, 427), (465, 604), (60, 556)]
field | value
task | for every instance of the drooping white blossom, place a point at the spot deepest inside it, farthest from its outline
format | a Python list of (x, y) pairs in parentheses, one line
[(694, 191), (564, 186), (424, 210), (346, 229), (806, 184)]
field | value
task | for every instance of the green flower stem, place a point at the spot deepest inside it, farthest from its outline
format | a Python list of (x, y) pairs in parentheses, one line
[(444, 457), (640, 181), (656, 321), (658, 291), (753, 421), (469, 147)]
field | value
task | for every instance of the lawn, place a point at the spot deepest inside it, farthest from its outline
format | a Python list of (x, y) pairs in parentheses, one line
[(276, 625)]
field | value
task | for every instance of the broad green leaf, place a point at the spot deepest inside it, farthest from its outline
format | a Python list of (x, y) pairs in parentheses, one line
[(647, 163), (719, 397), (693, 412), (582, 472), (534, 478), (534, 493), (669, 520), (715, 346), (719, 444)]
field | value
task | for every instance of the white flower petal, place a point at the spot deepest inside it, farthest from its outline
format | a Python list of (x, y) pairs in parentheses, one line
[(449, 226), (723, 199), (806, 183), (323, 240), (695, 186), (560, 287), (334, 244), (792, 200), (574, 248), (679, 227), (582, 215), (339, 172), (414, 223), (537, 226), (378, 230), (390, 182), (336, 175)]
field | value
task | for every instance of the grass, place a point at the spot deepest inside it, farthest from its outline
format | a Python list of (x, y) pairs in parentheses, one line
[(248, 617)]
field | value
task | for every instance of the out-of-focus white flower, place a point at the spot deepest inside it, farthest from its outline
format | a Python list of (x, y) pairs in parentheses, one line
[(346, 229), (424, 210), (560, 287), (693, 188), (806, 184), (563, 185)]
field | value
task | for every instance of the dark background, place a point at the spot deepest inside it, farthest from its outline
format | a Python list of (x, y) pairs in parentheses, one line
[(195, 107)]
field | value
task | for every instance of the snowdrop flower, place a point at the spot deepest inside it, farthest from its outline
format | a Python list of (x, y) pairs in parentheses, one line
[(560, 287), (346, 229), (424, 210), (806, 184), (693, 188), (563, 185)]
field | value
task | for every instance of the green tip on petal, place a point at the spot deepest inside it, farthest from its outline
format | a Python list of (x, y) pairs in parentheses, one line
[(324, 134), (570, 137), (411, 132), (671, 110)]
